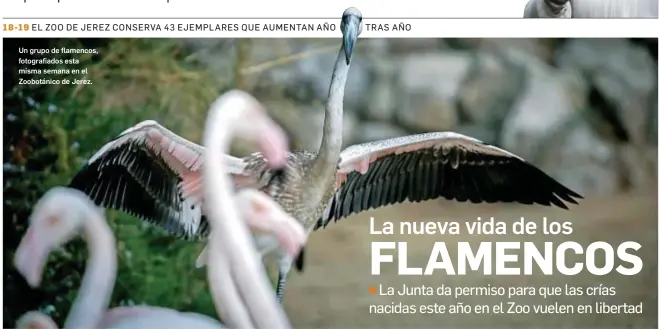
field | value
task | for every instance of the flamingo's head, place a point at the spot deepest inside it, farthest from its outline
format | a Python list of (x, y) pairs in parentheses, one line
[(351, 27), (253, 124), (35, 320), (271, 138), (55, 219), (263, 215)]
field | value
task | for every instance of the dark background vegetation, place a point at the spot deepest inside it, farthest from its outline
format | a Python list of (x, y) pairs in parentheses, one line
[(50, 130)]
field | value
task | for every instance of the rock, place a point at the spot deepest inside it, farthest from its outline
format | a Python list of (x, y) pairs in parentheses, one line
[(406, 46), (305, 71), (546, 128), (501, 91), (373, 49), (428, 86), (536, 47), (317, 71), (305, 123), (584, 163), (653, 118), (480, 132), (624, 73), (382, 103), (637, 165), (373, 131), (490, 90), (652, 154)]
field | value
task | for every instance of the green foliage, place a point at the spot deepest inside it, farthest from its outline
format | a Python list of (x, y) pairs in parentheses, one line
[(51, 129)]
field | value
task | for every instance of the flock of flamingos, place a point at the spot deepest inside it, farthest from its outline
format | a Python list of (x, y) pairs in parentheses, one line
[(241, 291), (269, 201)]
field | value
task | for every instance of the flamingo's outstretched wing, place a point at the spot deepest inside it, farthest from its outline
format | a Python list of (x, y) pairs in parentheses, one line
[(432, 165), (153, 174)]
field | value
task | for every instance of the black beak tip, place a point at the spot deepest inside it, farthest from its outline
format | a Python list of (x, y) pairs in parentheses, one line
[(348, 44)]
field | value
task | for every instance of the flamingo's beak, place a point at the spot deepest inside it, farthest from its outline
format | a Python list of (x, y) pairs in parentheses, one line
[(265, 217), (350, 33), (31, 256), (291, 235)]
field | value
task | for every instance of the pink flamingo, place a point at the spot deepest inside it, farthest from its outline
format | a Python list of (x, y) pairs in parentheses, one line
[(230, 232), (35, 320), (62, 211)]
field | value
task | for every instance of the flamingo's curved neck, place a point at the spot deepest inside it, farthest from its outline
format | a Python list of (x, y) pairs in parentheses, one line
[(228, 302), (330, 146), (227, 226), (101, 270)]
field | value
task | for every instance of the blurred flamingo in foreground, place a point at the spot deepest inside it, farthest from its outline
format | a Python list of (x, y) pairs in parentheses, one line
[(59, 214), (229, 232)]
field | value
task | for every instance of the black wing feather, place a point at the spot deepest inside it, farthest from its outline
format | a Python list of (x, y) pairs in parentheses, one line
[(449, 172), (135, 180)]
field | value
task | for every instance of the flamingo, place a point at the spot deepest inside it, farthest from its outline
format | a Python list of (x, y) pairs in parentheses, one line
[(35, 320), (157, 175)]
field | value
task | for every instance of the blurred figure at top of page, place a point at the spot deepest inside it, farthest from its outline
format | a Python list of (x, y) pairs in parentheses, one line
[(591, 9)]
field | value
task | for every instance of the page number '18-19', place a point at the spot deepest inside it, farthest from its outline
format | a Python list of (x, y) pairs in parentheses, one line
[(15, 27)]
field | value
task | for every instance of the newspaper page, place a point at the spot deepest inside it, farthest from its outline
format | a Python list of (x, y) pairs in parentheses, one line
[(254, 164)]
